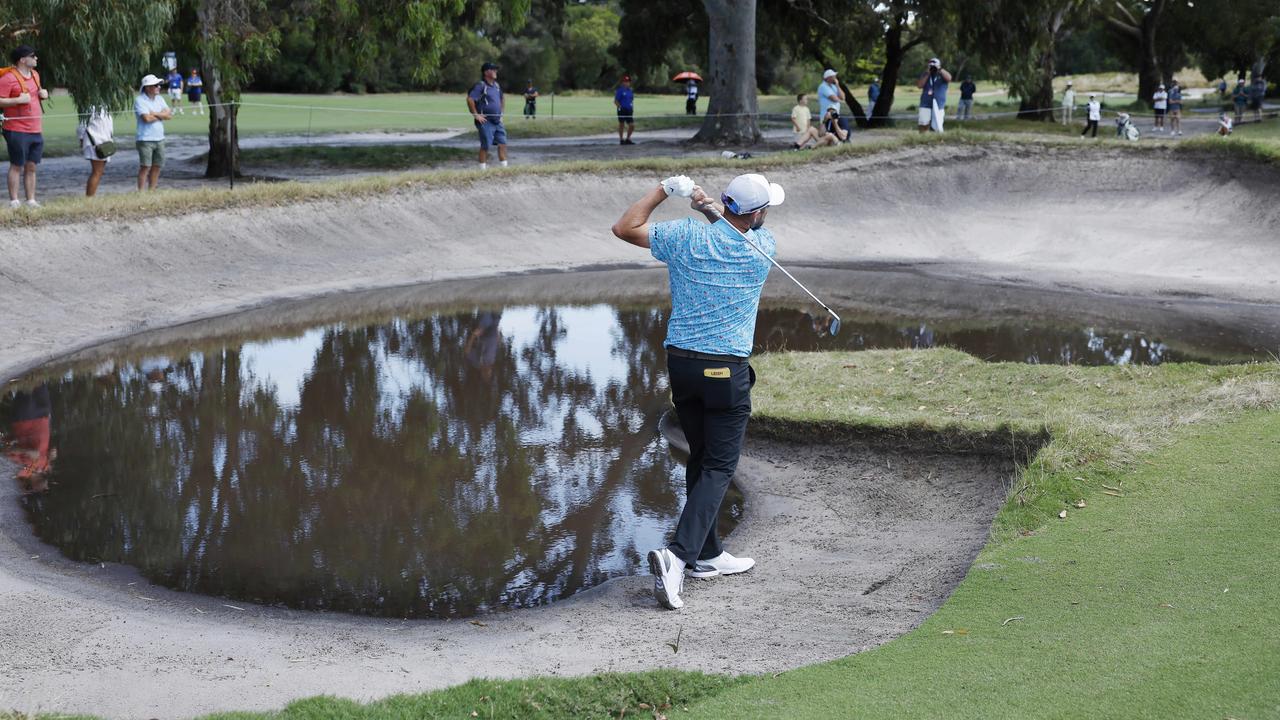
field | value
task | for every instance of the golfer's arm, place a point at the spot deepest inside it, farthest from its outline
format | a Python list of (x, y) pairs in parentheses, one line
[(633, 226)]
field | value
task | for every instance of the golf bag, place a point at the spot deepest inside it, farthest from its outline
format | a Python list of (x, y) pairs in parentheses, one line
[(1125, 127)]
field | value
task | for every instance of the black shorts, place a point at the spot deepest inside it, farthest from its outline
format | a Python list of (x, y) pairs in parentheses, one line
[(627, 115), (1159, 112), (24, 147)]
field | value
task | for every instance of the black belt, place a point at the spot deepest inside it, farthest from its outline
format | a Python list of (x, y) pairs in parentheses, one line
[(681, 352)]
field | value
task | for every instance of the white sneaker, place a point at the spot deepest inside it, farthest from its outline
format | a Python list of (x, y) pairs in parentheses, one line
[(722, 564), (668, 578), (15, 204), (33, 204)]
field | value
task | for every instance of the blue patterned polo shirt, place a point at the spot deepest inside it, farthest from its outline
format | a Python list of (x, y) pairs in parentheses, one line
[(716, 280)]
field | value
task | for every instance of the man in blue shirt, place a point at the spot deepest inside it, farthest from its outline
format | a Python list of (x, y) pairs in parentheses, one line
[(716, 280), (933, 96), (487, 104), (151, 111), (174, 82), (829, 93), (624, 100)]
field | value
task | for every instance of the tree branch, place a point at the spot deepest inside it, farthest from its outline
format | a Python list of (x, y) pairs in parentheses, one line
[(1132, 20)]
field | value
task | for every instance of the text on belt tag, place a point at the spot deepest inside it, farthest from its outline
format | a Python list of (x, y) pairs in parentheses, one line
[(716, 372)]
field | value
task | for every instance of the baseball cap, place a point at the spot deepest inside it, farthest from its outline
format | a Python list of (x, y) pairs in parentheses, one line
[(626, 78), (828, 74), (20, 52), (488, 66), (751, 192), (934, 62), (148, 80), (1068, 83)]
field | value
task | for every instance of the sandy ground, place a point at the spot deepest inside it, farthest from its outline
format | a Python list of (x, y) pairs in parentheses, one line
[(1150, 226)]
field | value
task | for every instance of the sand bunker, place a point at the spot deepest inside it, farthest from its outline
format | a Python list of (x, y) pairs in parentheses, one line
[(855, 545)]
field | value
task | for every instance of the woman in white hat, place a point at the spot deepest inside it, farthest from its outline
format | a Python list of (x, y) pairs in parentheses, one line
[(151, 111)]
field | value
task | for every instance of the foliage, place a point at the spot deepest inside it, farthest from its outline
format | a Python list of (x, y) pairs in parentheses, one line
[(99, 51), (591, 32)]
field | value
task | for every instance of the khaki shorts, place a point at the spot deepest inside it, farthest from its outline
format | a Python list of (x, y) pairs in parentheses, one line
[(150, 153)]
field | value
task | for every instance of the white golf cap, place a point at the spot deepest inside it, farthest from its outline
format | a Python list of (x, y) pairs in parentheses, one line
[(828, 74), (751, 192), (1068, 82), (148, 80)]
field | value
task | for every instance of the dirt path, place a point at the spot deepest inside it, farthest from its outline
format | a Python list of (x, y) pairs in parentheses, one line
[(74, 635)]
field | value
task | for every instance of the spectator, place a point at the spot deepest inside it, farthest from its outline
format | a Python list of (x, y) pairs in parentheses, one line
[(1160, 103), (195, 90), (1255, 98), (829, 93), (1175, 108), (1224, 124), (1068, 104), (873, 92), (624, 99), (97, 144), (835, 131), (151, 112), (1095, 114), (801, 123), (967, 88), (174, 83), (933, 84), (530, 100), (1240, 98), (1222, 89), (487, 104), (691, 97), (20, 96)]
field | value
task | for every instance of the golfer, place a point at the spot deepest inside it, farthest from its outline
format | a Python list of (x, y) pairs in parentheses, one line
[(487, 104), (716, 280)]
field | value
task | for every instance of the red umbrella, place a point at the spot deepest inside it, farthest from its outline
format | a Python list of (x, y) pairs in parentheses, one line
[(687, 75)]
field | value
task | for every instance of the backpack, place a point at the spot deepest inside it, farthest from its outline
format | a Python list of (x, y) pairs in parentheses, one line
[(35, 78)]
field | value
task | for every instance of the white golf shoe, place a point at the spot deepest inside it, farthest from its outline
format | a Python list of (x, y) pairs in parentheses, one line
[(722, 564), (668, 578)]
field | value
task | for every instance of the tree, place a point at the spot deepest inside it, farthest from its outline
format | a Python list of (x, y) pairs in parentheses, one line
[(1141, 24), (98, 51), (1235, 36), (731, 113), (589, 34), (1021, 38)]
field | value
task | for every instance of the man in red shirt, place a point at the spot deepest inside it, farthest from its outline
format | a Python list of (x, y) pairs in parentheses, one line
[(20, 96)]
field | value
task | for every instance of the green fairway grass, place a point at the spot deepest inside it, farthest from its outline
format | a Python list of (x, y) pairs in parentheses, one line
[(263, 114)]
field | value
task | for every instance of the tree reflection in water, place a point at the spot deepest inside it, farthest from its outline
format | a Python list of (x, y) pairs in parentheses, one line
[(422, 467), (427, 467)]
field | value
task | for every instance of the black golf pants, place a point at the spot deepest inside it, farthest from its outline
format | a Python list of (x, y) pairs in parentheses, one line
[(713, 401)]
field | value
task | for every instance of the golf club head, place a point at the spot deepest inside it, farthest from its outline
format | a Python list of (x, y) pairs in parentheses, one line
[(835, 326)]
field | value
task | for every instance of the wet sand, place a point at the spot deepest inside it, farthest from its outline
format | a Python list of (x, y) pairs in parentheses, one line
[(1150, 226)]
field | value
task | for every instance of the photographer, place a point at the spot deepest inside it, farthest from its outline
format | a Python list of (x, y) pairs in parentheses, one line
[(933, 96), (834, 127)]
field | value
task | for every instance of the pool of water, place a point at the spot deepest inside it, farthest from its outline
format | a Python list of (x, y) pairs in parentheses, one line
[(426, 465)]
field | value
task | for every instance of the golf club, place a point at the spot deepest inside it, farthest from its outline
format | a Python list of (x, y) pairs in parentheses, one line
[(835, 319)]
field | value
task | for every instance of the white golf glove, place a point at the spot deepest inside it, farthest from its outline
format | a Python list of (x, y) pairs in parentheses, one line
[(681, 185)]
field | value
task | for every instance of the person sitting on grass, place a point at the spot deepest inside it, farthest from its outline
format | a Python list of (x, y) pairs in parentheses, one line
[(1224, 124), (801, 123), (834, 129)]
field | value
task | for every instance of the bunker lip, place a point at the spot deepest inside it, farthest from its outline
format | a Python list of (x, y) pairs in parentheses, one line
[(1086, 223)]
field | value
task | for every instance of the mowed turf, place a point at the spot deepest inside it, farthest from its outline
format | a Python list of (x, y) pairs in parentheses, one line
[(1157, 603)]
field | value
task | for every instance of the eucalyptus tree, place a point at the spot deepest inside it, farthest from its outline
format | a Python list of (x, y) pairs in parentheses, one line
[(731, 81), (98, 50)]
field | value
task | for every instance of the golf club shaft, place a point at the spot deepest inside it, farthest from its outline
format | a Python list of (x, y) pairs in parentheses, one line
[(718, 216)]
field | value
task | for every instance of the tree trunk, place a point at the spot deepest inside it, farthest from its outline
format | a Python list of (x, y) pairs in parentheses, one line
[(224, 137), (1149, 73), (893, 54), (1039, 104), (731, 114)]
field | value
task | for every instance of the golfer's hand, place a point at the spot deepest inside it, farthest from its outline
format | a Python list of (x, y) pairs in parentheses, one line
[(701, 201)]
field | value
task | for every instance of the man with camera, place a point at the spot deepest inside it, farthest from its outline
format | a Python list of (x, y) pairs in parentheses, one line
[(933, 96), (834, 127)]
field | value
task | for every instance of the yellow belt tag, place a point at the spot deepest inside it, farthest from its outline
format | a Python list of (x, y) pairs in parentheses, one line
[(716, 372)]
